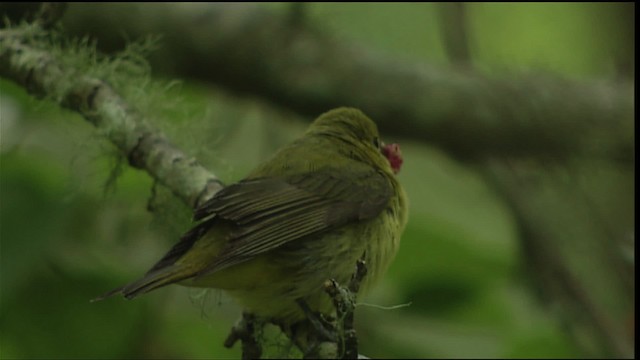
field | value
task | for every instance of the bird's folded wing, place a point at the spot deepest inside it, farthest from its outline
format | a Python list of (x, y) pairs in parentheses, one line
[(270, 212)]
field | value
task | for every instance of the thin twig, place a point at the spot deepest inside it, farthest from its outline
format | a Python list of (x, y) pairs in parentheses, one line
[(344, 300)]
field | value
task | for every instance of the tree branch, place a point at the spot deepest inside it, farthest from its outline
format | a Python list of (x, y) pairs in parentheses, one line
[(144, 146), (452, 17), (249, 50), (575, 265)]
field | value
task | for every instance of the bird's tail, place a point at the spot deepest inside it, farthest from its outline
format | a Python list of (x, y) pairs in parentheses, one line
[(151, 281)]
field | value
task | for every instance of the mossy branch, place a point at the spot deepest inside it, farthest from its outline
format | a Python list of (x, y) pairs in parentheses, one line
[(43, 75)]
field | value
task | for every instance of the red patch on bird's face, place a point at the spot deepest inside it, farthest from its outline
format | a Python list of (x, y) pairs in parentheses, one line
[(394, 155)]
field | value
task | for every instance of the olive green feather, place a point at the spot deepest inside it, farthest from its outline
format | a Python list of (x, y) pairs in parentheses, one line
[(300, 218)]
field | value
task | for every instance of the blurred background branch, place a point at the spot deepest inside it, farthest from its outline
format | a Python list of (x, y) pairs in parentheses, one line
[(253, 51), (453, 24)]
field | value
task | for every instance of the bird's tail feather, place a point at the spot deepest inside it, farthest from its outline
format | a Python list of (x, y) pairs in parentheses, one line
[(151, 281)]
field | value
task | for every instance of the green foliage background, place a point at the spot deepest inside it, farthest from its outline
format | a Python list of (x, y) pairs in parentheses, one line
[(69, 233)]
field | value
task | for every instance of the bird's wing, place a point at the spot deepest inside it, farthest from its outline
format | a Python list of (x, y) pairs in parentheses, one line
[(181, 247), (269, 212)]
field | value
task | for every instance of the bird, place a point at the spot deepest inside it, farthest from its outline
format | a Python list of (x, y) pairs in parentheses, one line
[(304, 216)]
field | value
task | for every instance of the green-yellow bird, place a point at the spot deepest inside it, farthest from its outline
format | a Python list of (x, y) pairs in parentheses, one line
[(305, 216)]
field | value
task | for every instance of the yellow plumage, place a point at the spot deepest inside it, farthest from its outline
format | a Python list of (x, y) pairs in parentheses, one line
[(303, 217)]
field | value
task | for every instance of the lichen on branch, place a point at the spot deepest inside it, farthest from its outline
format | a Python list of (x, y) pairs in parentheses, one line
[(63, 74)]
